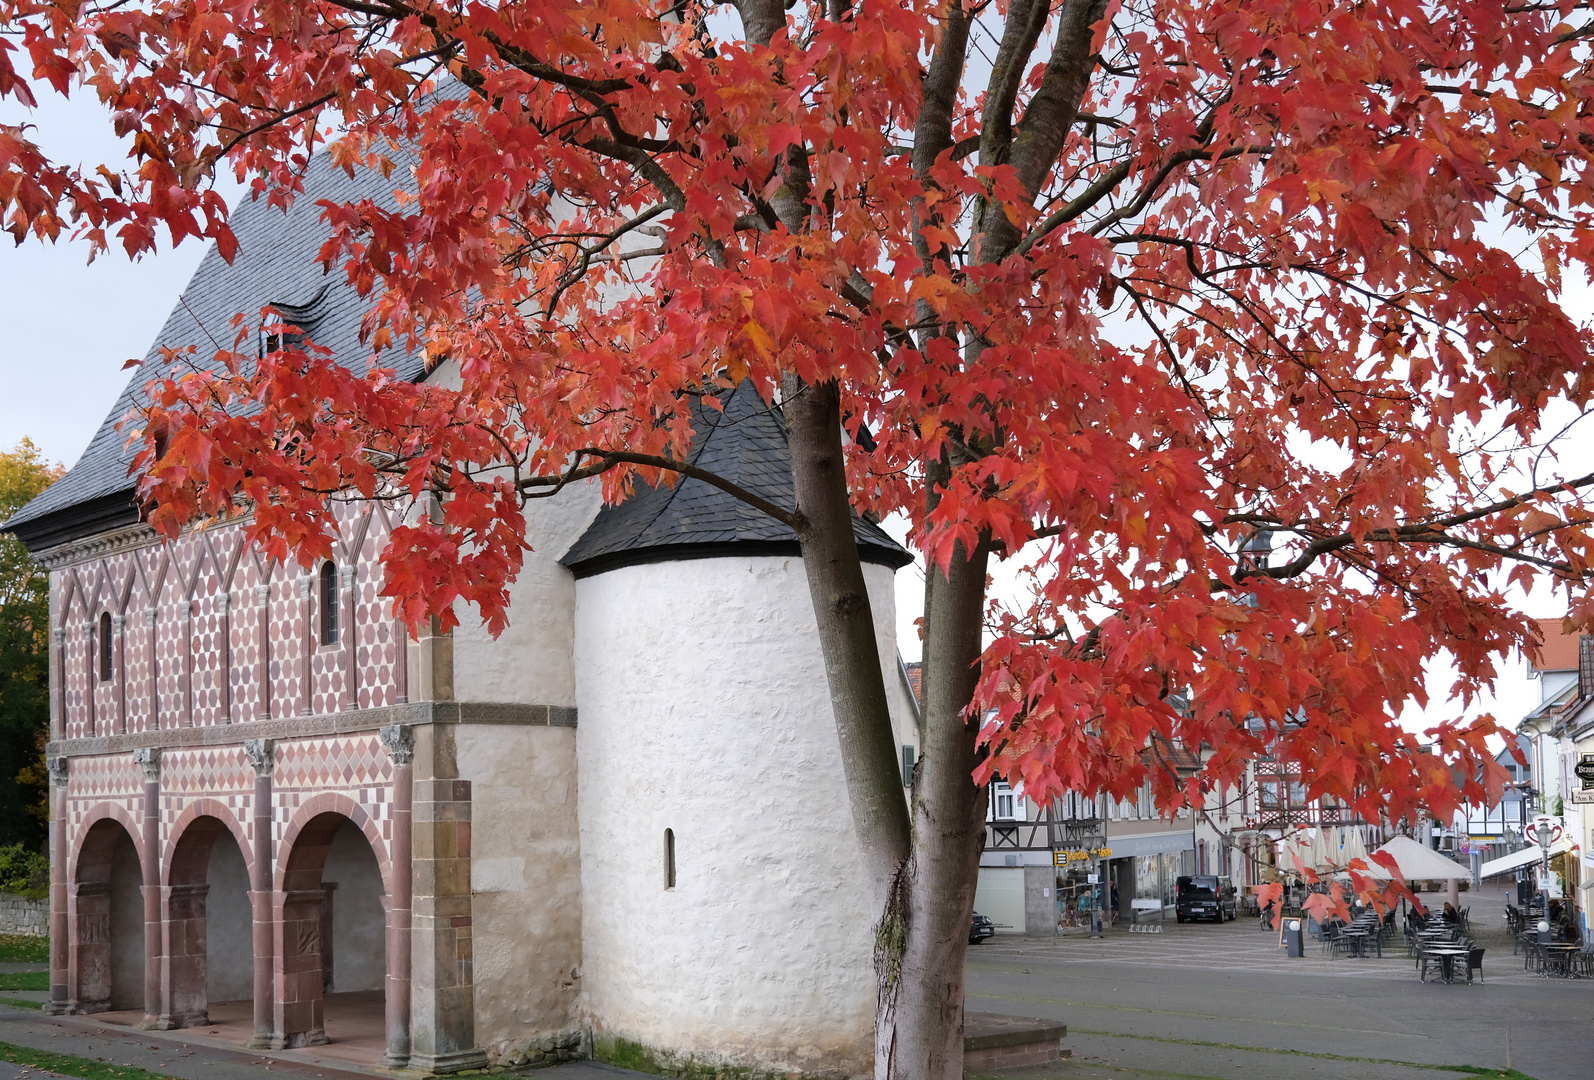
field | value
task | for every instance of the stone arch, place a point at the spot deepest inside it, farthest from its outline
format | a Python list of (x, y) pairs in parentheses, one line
[(108, 930), (189, 910), (304, 925), (330, 802)]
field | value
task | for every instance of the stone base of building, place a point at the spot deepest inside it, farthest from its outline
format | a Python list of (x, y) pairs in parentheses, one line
[(444, 1064)]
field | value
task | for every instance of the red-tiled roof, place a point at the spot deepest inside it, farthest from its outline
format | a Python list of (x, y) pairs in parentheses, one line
[(916, 679), (1558, 650)]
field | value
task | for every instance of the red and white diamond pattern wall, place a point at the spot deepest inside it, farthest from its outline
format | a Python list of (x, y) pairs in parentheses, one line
[(204, 632), (94, 781), (353, 765)]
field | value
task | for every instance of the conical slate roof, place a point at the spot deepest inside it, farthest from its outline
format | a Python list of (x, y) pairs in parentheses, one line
[(276, 264), (746, 444)]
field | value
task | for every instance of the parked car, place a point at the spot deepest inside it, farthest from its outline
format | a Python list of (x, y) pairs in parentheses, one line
[(980, 928), (1206, 896)]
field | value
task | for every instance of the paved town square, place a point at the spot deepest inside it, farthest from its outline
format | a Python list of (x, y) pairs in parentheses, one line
[(1224, 1001)]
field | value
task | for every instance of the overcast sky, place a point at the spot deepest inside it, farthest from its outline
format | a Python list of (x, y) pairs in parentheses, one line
[(70, 326)]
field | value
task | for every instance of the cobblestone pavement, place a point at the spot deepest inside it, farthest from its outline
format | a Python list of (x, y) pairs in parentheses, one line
[(1225, 1001)]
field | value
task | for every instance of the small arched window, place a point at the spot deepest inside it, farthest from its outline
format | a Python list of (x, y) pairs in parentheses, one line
[(669, 858), (329, 603), (105, 646)]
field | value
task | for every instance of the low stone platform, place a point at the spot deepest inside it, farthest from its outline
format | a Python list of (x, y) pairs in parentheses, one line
[(994, 1041)]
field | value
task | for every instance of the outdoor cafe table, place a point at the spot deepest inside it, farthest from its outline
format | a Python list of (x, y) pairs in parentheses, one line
[(1558, 960), (1446, 955), (1359, 936)]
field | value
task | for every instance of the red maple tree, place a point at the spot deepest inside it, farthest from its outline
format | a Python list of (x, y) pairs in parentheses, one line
[(1106, 288)]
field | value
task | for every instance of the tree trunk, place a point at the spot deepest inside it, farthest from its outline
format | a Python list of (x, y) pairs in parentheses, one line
[(919, 1022), (846, 632), (921, 875)]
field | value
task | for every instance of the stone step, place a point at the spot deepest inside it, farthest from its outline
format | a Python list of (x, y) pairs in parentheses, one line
[(995, 1041)]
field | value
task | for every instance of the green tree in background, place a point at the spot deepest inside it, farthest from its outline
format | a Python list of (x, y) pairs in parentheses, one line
[(24, 658)]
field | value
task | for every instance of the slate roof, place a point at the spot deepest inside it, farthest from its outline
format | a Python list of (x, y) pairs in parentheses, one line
[(746, 444), (275, 264)]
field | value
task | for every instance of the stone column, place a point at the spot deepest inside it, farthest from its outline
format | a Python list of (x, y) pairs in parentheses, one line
[(443, 1021), (119, 670), (90, 632), (57, 677), (185, 1002), (433, 657), (400, 745), (188, 664), (262, 757), (349, 687), (223, 605), (152, 622), (149, 758), (307, 644), (263, 601), (59, 854)]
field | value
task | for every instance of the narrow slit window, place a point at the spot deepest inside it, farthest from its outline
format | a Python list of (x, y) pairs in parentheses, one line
[(669, 858), (329, 604), (105, 646)]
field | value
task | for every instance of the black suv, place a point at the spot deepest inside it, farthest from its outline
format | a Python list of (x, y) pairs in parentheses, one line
[(1206, 897), (980, 928)]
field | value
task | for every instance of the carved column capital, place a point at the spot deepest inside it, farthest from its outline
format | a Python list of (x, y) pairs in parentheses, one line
[(150, 616), (149, 759), (59, 633), (399, 742), (262, 594), (346, 577), (306, 586), (260, 754), (118, 623), (220, 603), (59, 768)]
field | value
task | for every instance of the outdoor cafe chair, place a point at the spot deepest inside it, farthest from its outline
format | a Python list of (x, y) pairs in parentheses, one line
[(1474, 963)]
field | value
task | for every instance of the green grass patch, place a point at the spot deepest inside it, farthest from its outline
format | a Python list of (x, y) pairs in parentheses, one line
[(18, 949), (67, 1065), (21, 1003), (25, 980)]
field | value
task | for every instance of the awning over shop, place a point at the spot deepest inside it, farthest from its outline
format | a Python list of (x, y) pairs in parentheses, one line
[(1155, 844), (1526, 857)]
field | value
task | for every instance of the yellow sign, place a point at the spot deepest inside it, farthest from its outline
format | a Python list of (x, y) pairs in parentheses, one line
[(1063, 858)]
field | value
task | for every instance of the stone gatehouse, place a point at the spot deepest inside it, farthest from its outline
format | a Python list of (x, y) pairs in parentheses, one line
[(267, 798)]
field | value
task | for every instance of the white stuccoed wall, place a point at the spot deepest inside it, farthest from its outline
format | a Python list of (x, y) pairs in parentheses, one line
[(530, 662), (704, 709)]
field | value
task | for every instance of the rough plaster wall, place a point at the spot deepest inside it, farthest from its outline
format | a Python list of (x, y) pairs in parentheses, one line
[(127, 928), (881, 581), (530, 661), (229, 925), (525, 882), (359, 936), (704, 709)]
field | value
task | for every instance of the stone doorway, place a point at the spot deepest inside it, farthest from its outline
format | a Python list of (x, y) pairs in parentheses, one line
[(333, 965), (109, 929), (209, 935)]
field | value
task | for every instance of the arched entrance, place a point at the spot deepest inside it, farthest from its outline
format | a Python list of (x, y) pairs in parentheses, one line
[(209, 927), (333, 963), (109, 921)]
